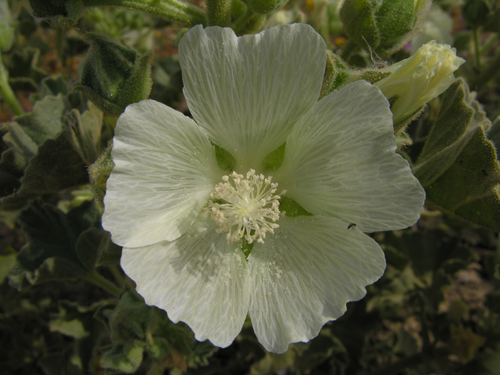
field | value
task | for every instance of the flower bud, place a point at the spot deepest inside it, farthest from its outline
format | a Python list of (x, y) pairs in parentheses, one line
[(383, 26), (265, 6), (114, 75), (419, 79)]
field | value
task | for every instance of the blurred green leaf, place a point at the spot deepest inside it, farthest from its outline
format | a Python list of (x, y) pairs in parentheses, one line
[(24, 73), (458, 166), (59, 363), (6, 262), (6, 28), (167, 81), (52, 237), (47, 150), (67, 11), (123, 358), (430, 250)]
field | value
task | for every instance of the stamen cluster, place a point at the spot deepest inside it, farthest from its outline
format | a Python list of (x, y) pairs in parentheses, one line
[(245, 207)]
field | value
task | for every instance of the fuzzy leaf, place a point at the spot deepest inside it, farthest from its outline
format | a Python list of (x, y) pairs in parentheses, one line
[(458, 166), (124, 358), (52, 237)]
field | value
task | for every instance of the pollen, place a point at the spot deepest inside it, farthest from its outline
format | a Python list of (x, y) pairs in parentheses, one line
[(245, 207)]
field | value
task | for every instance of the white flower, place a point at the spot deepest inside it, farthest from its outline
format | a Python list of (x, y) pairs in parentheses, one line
[(183, 221)]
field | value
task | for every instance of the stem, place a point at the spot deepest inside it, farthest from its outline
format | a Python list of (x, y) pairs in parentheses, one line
[(218, 12), (117, 274), (170, 9), (241, 22), (7, 92), (477, 53), (103, 283)]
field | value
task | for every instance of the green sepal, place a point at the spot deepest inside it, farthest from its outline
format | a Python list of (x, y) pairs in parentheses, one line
[(114, 75), (224, 159), (458, 165), (384, 26), (52, 236), (274, 160), (265, 6), (99, 173), (338, 74), (61, 11)]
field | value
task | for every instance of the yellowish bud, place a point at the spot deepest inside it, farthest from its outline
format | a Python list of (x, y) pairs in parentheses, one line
[(419, 79)]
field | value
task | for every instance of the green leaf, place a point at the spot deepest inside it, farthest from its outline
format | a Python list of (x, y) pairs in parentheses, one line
[(476, 12), (90, 245), (430, 250), (6, 262), (79, 323), (167, 81), (6, 28), (51, 241), (47, 150), (22, 138), (132, 321), (55, 167), (120, 357), (24, 74), (59, 363), (458, 166), (67, 11)]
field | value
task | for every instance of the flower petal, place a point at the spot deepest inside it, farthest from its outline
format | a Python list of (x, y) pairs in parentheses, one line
[(198, 279), (304, 275), (340, 161), (248, 92), (165, 169)]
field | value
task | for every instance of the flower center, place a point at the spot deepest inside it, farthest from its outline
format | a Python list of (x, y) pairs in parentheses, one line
[(245, 207)]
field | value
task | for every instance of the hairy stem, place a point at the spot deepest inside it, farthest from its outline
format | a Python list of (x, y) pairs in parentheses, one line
[(170, 9)]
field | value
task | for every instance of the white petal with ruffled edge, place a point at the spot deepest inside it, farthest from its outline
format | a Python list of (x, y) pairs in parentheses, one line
[(304, 275), (248, 92), (165, 170), (340, 161), (198, 279)]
